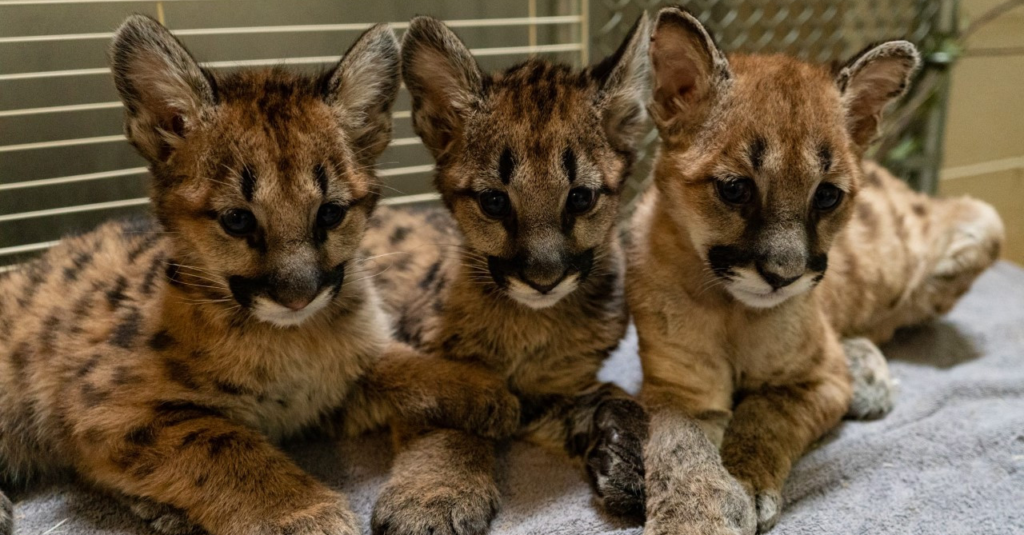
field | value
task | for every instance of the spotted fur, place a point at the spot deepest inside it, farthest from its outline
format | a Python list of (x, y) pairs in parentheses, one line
[(765, 239), (534, 293), (161, 359)]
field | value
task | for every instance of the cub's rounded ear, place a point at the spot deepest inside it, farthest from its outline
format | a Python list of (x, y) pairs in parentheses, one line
[(362, 88), (690, 73), (870, 81), (624, 80), (165, 91), (443, 78)]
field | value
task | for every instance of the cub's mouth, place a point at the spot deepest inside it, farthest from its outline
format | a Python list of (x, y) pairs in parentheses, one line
[(765, 281), (538, 284)]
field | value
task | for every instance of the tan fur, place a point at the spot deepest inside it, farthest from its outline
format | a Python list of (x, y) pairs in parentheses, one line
[(137, 355), (457, 281), (760, 368)]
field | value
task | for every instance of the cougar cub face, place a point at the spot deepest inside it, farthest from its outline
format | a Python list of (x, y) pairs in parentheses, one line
[(531, 160), (763, 154), (263, 178)]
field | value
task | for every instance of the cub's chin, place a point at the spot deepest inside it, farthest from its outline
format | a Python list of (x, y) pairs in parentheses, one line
[(752, 291), (529, 297)]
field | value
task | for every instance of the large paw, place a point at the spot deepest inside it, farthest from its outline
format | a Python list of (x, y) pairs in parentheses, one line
[(162, 518), (6, 515), (615, 462), (709, 502), (873, 387), (408, 509)]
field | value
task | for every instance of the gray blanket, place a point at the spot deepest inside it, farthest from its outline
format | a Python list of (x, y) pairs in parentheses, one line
[(948, 460)]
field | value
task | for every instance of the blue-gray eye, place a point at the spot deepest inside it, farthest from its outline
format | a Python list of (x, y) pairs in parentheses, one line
[(330, 215), (238, 222), (580, 200), (735, 191), (827, 197), (494, 203)]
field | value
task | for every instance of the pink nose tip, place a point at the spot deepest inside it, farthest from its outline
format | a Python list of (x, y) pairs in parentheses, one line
[(297, 304)]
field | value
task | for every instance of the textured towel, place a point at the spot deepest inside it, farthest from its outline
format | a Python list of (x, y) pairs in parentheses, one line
[(948, 460)]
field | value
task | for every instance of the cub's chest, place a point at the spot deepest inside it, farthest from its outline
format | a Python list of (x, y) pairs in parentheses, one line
[(775, 347)]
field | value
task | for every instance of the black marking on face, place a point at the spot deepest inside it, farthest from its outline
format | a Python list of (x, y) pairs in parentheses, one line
[(569, 164), (757, 149), (248, 183), (506, 166), (825, 158), (723, 258), (320, 173), (818, 263), (127, 331), (173, 274)]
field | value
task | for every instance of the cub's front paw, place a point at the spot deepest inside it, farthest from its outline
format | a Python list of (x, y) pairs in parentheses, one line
[(709, 502), (328, 516), (873, 387), (405, 508), (477, 402), (615, 462)]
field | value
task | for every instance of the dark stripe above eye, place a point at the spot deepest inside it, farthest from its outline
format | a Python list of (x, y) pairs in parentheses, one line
[(506, 165), (825, 157), (569, 164), (248, 183), (320, 173), (757, 149)]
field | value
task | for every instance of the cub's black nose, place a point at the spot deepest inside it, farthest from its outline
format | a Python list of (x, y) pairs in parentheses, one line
[(775, 280)]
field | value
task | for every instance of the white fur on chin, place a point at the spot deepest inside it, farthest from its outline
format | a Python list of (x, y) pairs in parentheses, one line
[(525, 295), (750, 289), (267, 310)]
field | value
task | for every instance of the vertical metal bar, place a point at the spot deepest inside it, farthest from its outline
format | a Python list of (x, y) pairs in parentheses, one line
[(160, 13), (531, 11), (947, 27), (584, 32)]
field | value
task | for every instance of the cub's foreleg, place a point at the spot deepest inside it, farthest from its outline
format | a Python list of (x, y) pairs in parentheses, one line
[(442, 483), (404, 385), (605, 428), (225, 477), (773, 426)]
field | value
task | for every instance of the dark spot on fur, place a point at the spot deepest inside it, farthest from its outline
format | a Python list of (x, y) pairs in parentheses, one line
[(179, 372), (248, 183), (569, 164), (144, 245), (142, 436), (220, 442), (161, 341), (88, 366), (93, 396), (919, 208), (431, 276), (756, 153), (506, 165), (825, 158), (171, 413), (116, 294), (78, 263), (173, 273), (723, 258), (451, 343), (127, 331), (399, 234)]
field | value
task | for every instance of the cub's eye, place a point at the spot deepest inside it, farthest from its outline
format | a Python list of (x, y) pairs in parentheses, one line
[(827, 196), (238, 222), (495, 204), (736, 191), (580, 200), (330, 215)]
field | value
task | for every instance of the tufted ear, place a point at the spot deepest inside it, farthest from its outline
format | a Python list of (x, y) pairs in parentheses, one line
[(624, 79), (443, 78), (870, 81), (362, 88), (165, 91), (690, 73)]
